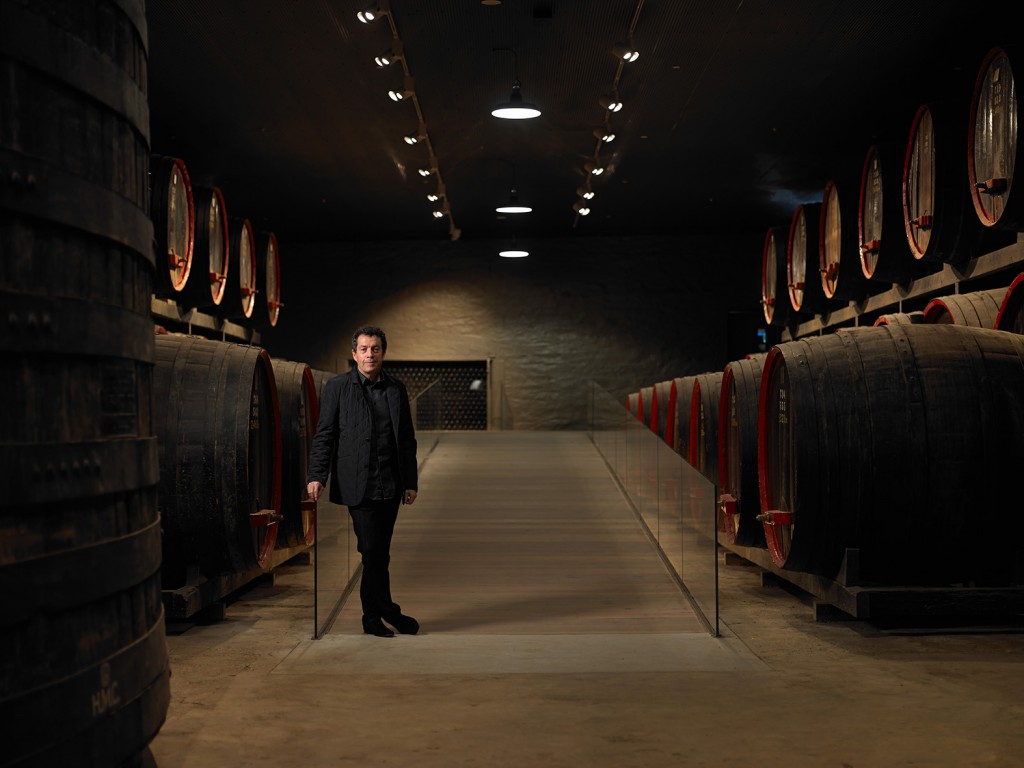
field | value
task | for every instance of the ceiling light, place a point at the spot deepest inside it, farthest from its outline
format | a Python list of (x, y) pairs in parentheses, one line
[(424, 172), (581, 208), (513, 205), (412, 138), (585, 192), (420, 134), (513, 253), (610, 102), (593, 168), (626, 51), (515, 108), (372, 12), (433, 198), (604, 135), (438, 214), (407, 89), (390, 56)]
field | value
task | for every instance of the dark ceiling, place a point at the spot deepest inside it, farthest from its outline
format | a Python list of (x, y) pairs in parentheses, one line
[(734, 112)]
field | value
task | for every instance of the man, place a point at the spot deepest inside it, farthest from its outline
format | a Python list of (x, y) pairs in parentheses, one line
[(366, 425)]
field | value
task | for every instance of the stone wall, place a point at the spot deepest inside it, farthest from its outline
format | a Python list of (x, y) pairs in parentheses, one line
[(625, 312)]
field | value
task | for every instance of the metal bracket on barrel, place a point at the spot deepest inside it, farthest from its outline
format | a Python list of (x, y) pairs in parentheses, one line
[(776, 517)]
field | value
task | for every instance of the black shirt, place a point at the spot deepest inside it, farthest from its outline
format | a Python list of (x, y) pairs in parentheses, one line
[(380, 482)]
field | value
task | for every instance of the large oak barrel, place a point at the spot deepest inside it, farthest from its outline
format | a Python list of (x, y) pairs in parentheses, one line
[(84, 667), (935, 194), (633, 403), (994, 153), (882, 241), (806, 295), (299, 401), (740, 498), (900, 318), (978, 309), (1011, 311), (646, 406), (774, 292), (174, 223), (704, 399), (267, 309), (838, 257), (897, 441), (684, 395), (239, 300), (209, 273), (663, 421), (219, 430)]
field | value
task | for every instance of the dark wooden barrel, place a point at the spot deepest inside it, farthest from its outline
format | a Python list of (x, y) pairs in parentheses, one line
[(704, 399), (994, 153), (684, 395), (978, 309), (1011, 311), (219, 430), (633, 403), (267, 309), (900, 318), (935, 194), (774, 294), (299, 400), (665, 398), (209, 273), (806, 294), (84, 663), (646, 406), (894, 440), (174, 224), (885, 256), (239, 299), (740, 498), (842, 278)]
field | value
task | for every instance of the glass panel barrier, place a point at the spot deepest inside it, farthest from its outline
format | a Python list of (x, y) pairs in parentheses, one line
[(671, 499)]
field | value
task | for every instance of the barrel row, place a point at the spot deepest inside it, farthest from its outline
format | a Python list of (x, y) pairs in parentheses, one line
[(206, 259), (234, 428), (911, 208), (892, 440)]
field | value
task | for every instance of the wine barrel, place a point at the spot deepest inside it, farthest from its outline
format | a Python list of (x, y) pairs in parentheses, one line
[(935, 194), (774, 295), (85, 666), (704, 399), (838, 257), (320, 379), (994, 154), (740, 499), (267, 309), (219, 431), (1011, 311), (209, 273), (299, 400), (882, 241), (646, 405), (895, 440), (633, 403), (900, 318), (684, 396), (806, 295), (977, 310), (663, 421), (174, 224), (240, 288)]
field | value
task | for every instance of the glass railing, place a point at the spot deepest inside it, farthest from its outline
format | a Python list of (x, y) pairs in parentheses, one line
[(674, 502)]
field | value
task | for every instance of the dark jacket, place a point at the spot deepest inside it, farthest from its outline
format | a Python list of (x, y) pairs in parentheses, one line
[(345, 431)]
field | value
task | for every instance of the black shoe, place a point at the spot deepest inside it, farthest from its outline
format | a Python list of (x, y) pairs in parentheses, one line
[(407, 625), (376, 627)]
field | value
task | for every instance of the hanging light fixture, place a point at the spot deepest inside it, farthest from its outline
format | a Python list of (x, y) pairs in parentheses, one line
[(373, 12), (610, 102), (514, 251), (513, 205), (515, 108), (626, 51)]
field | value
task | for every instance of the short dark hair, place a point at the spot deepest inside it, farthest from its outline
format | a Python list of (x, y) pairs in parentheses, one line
[(370, 330)]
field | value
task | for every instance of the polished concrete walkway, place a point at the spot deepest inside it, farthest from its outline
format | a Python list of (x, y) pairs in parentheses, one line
[(554, 636)]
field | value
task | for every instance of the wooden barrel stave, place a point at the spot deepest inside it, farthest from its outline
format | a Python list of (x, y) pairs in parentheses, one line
[(737, 451)]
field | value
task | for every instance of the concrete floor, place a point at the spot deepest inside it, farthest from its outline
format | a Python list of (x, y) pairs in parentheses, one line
[(553, 635)]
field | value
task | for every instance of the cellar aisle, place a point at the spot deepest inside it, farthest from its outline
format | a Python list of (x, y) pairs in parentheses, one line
[(552, 635)]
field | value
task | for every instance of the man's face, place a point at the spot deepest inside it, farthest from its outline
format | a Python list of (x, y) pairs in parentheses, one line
[(369, 356)]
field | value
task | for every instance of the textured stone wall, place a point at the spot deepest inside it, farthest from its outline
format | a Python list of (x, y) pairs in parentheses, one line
[(625, 312)]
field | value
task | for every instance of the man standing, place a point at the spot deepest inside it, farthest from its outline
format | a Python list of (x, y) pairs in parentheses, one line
[(366, 424)]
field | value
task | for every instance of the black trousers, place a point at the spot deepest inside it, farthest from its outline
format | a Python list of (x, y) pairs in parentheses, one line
[(374, 523)]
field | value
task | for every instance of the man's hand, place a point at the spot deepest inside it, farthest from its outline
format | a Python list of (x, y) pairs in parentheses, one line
[(314, 489), (409, 496)]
